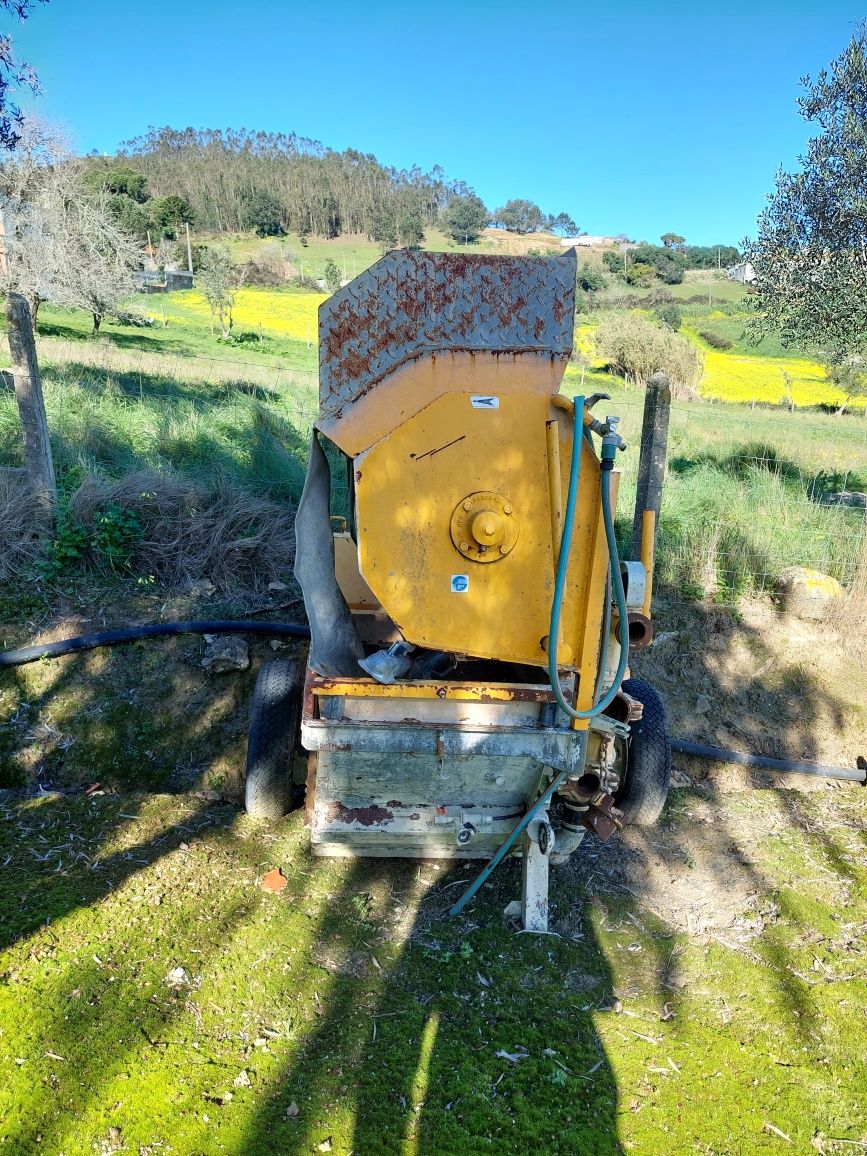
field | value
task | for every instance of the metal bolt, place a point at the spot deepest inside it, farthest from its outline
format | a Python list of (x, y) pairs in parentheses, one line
[(507, 509), (468, 505), (504, 549), (464, 547)]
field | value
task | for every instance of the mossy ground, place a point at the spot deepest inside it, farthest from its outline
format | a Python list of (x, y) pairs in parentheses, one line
[(350, 1010)]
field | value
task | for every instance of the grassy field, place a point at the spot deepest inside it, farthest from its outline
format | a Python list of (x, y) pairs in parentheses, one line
[(704, 987), (741, 500), (156, 999)]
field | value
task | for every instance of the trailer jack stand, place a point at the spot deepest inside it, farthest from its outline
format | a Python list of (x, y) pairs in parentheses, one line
[(538, 844)]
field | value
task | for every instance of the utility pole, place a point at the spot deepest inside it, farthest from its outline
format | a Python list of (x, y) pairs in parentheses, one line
[(189, 249), (31, 406)]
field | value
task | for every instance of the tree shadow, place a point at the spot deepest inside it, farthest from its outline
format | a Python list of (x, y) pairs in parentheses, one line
[(443, 1035), (424, 1034)]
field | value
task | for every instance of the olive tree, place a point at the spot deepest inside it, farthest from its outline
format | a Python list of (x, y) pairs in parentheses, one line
[(215, 279), (810, 249), (62, 242)]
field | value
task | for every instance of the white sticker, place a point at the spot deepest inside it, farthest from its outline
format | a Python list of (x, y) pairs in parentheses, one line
[(460, 583), (484, 401)]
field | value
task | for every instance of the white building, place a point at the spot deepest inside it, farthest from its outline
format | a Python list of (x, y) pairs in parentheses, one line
[(585, 241), (743, 272)]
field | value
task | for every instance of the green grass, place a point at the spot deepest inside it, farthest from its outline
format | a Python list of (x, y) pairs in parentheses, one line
[(733, 328), (740, 501), (174, 397), (350, 1011)]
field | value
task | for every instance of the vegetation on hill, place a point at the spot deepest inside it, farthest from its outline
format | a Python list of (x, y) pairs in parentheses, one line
[(272, 183)]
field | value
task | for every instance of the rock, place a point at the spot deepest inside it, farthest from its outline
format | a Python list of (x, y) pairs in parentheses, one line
[(277, 587), (854, 499), (203, 589), (224, 653), (808, 593), (665, 637), (703, 704)]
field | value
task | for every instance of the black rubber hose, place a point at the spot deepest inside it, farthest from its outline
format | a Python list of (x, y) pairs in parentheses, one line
[(25, 654), (792, 766)]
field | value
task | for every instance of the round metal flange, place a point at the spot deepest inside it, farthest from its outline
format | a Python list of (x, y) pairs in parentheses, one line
[(484, 527), (546, 837)]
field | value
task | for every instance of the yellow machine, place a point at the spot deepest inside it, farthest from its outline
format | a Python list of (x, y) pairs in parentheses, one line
[(470, 621)]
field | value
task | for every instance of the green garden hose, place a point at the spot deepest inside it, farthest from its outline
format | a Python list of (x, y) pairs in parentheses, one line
[(609, 449)]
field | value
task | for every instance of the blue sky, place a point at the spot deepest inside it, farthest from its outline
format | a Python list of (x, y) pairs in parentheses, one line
[(632, 117)]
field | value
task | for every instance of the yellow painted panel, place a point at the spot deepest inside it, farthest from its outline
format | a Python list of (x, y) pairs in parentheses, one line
[(417, 383), (354, 589), (407, 488), (461, 691)]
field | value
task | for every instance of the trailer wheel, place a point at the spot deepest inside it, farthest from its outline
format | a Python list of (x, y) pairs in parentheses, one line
[(644, 788), (275, 718)]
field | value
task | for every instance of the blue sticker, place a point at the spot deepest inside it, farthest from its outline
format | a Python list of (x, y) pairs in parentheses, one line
[(460, 583)]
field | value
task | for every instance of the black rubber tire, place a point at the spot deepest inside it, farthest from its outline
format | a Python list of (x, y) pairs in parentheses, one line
[(275, 719), (644, 789)]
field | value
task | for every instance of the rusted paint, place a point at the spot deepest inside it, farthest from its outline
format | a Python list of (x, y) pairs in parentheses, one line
[(411, 304), (369, 816), (460, 691), (603, 818)]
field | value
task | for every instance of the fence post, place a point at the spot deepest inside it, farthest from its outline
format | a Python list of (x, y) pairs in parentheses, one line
[(654, 445), (31, 406)]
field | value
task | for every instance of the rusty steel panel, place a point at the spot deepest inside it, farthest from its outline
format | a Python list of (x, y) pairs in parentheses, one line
[(412, 303)]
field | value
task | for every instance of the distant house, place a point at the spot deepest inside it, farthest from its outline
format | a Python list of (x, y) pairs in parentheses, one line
[(743, 272), (152, 281), (585, 241)]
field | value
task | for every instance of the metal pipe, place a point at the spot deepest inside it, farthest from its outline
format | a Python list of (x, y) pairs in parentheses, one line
[(507, 845), (555, 486), (788, 766)]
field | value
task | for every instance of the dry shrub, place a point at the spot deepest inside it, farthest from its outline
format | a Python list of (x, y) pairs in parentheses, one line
[(637, 348), (22, 537), (192, 530)]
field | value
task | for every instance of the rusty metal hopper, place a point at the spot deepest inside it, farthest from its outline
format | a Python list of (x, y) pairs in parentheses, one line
[(420, 323)]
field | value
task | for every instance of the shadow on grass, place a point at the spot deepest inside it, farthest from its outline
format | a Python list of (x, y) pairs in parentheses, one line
[(407, 1009), (761, 457)]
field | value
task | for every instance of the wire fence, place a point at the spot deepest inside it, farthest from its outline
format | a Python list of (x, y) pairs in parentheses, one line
[(749, 490)]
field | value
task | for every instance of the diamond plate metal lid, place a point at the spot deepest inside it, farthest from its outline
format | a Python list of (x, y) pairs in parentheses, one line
[(411, 303)]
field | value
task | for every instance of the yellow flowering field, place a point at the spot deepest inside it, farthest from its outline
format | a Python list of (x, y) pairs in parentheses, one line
[(275, 312), (744, 378), (738, 377)]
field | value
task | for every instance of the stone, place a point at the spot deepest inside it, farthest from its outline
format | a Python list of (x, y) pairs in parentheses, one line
[(854, 499), (703, 704), (203, 589), (225, 653), (808, 593)]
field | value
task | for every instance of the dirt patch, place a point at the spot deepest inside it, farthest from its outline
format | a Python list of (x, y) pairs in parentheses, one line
[(755, 680)]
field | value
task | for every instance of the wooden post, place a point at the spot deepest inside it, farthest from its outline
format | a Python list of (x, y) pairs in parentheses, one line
[(654, 446), (189, 249), (31, 406)]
